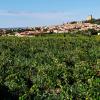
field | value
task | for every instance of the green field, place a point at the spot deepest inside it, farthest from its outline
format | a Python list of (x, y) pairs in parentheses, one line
[(50, 67)]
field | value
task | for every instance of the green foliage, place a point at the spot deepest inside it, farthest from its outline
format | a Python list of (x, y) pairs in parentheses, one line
[(50, 67), (93, 21)]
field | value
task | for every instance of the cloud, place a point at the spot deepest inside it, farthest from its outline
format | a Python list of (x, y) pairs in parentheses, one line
[(42, 15), (23, 18)]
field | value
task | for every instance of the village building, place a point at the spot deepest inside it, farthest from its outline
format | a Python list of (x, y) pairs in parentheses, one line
[(89, 18)]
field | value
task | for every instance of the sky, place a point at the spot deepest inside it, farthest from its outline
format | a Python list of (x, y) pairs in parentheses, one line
[(30, 13)]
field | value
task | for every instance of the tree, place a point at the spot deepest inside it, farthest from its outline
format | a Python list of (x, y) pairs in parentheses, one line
[(92, 31)]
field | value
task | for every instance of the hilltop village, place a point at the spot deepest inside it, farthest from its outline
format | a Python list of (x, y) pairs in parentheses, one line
[(64, 28)]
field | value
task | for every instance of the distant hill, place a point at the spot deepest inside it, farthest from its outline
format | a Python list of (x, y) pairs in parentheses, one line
[(94, 21)]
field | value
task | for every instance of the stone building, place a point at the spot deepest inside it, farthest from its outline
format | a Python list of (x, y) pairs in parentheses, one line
[(89, 18)]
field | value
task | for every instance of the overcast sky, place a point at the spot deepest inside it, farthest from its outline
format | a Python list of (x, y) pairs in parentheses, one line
[(23, 13)]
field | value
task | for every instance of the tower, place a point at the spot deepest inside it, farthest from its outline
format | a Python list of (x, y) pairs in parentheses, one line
[(89, 18)]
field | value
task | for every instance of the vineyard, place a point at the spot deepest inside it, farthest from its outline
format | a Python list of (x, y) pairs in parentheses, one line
[(50, 67)]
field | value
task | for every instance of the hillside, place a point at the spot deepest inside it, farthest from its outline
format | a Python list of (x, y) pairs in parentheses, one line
[(94, 21)]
